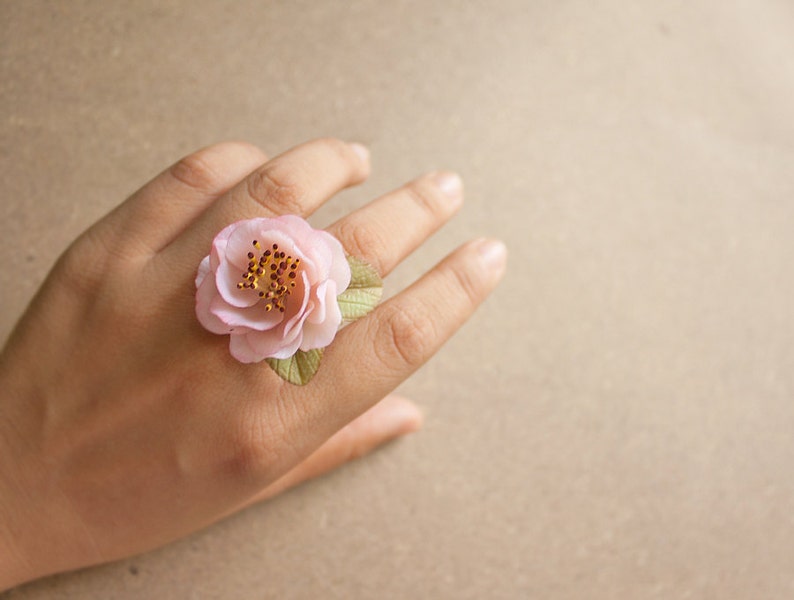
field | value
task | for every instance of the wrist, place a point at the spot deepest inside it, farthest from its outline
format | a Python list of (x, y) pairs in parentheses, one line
[(15, 566)]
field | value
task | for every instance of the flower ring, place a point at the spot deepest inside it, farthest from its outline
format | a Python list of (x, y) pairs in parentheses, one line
[(281, 290)]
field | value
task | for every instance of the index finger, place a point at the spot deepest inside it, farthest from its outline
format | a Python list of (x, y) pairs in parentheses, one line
[(371, 357)]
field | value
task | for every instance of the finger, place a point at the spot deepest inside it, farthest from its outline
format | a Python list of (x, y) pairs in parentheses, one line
[(388, 229), (372, 356), (158, 212), (392, 417), (296, 182)]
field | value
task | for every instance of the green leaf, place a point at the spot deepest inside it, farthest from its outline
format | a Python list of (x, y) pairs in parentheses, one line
[(363, 293), (298, 368)]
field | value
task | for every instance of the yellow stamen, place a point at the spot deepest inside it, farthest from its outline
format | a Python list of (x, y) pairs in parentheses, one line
[(270, 267)]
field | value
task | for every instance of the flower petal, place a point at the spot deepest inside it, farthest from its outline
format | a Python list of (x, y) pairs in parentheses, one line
[(311, 243), (272, 345), (320, 334), (253, 317), (219, 243), (242, 350), (240, 242), (299, 314), (203, 271), (318, 313), (204, 297), (226, 279), (290, 348), (340, 269)]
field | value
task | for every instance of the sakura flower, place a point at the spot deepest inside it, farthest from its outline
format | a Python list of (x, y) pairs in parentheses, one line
[(272, 286)]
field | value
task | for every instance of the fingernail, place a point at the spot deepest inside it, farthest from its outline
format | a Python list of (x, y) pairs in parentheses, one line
[(410, 419), (361, 150), (405, 416), (493, 255), (449, 183)]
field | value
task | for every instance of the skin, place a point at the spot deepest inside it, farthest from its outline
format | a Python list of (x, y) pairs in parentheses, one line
[(124, 425)]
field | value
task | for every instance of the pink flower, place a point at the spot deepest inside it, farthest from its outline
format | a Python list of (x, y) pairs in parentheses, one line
[(272, 285)]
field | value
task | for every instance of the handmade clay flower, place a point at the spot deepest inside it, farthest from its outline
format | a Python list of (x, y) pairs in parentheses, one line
[(272, 285)]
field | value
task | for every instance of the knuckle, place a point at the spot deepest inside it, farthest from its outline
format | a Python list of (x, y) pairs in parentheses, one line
[(194, 172), (247, 459), (364, 240), (407, 339), (276, 189), (84, 267), (466, 284), (255, 446), (425, 196), (335, 146), (72, 275)]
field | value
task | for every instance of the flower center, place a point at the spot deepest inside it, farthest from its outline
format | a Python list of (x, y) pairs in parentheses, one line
[(271, 276)]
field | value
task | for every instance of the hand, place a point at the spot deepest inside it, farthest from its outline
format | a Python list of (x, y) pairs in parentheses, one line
[(125, 425)]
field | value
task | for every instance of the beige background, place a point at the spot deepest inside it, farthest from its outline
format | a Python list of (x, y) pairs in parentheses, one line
[(617, 421)]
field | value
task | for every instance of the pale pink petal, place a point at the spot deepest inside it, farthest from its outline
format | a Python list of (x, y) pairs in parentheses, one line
[(296, 332), (271, 344), (340, 269), (242, 351), (298, 245), (297, 228), (289, 348), (264, 344), (204, 296), (334, 313), (241, 243), (218, 249), (203, 270), (319, 335), (226, 279), (307, 266), (310, 242), (254, 318), (318, 313), (304, 299), (224, 234), (294, 338), (321, 259)]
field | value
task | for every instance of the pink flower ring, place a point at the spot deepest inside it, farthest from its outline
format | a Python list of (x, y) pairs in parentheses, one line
[(272, 286)]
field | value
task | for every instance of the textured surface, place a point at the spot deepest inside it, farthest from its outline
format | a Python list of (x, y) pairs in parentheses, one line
[(617, 421)]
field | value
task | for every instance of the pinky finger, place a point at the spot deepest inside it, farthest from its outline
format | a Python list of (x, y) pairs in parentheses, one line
[(392, 417)]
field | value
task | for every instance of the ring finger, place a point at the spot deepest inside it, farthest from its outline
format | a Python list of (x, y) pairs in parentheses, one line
[(388, 229)]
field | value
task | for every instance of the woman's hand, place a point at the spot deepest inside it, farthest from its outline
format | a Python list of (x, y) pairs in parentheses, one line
[(124, 424)]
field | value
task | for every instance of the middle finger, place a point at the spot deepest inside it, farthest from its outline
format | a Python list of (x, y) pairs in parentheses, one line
[(296, 182)]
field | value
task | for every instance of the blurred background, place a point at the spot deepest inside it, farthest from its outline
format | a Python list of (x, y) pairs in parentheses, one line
[(616, 421)]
